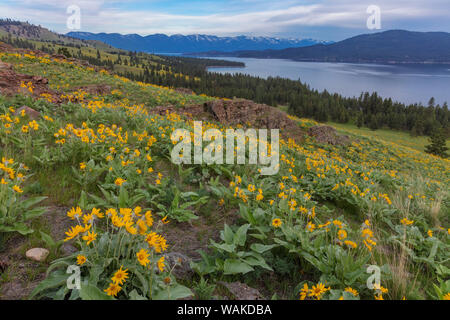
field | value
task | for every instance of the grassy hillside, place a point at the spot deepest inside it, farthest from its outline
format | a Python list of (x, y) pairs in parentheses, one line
[(396, 137), (94, 171), (28, 31)]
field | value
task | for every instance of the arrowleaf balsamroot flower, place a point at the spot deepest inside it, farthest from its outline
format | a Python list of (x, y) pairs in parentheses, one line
[(90, 237), (119, 181), (120, 276), (81, 259), (161, 264), (113, 289), (142, 257), (277, 222)]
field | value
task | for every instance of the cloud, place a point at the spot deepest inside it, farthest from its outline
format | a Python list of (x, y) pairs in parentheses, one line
[(259, 17)]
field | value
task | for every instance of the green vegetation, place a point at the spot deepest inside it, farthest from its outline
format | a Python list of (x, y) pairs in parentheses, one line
[(437, 145), (398, 137), (308, 232)]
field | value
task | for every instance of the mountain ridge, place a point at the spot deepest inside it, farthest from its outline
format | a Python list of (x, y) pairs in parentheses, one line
[(178, 43), (392, 46)]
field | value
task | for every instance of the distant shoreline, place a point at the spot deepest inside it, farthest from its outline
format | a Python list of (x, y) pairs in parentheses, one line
[(383, 62)]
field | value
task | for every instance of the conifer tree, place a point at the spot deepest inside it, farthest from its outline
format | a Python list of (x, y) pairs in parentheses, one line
[(438, 144)]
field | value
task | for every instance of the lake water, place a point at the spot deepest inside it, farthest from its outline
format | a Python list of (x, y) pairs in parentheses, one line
[(404, 83)]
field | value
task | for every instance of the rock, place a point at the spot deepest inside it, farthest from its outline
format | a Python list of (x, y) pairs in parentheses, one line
[(11, 84), (327, 134), (182, 262), (12, 291), (5, 66), (39, 79), (184, 91), (4, 264), (37, 254), (67, 249), (31, 113), (241, 291), (240, 112), (253, 115)]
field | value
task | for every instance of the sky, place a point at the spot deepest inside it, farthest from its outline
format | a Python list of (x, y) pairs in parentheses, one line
[(320, 19)]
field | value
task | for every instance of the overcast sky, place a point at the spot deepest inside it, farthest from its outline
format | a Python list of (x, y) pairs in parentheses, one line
[(320, 19)]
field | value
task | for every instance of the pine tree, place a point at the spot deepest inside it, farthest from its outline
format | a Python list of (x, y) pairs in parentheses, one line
[(438, 144), (360, 120)]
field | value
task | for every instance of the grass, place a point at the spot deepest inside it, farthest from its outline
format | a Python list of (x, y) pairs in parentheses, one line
[(398, 137)]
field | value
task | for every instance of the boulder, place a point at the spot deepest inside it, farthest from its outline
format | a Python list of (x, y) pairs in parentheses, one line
[(67, 249), (31, 113), (37, 254), (241, 291), (329, 135)]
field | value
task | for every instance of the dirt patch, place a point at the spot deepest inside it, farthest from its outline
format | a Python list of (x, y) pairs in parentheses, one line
[(188, 238), (95, 90), (329, 135), (19, 275)]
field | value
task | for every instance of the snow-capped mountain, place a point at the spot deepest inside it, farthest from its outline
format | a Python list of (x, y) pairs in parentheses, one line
[(161, 43)]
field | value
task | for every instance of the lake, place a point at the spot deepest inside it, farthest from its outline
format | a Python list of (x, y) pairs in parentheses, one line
[(404, 83)]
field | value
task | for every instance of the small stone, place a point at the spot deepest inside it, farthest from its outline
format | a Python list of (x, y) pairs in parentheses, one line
[(241, 291), (31, 113), (182, 262), (37, 254), (67, 249)]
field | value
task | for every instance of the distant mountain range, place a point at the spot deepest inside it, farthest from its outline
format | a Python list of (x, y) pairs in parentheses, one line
[(394, 46), (161, 43)]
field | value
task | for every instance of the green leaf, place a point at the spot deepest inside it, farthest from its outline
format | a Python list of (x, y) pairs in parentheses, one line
[(36, 212), (90, 292), (173, 293), (228, 234), (261, 248), (241, 235), (56, 279), (31, 202), (234, 266), (136, 296), (230, 248), (94, 274), (22, 228), (83, 200), (47, 239)]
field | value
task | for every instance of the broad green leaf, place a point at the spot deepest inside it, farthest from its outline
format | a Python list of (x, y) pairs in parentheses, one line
[(173, 293), (55, 279), (241, 235), (90, 292), (261, 248), (234, 266), (136, 296)]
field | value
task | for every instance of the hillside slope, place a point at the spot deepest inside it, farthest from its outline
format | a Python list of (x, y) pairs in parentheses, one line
[(29, 31), (100, 154)]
